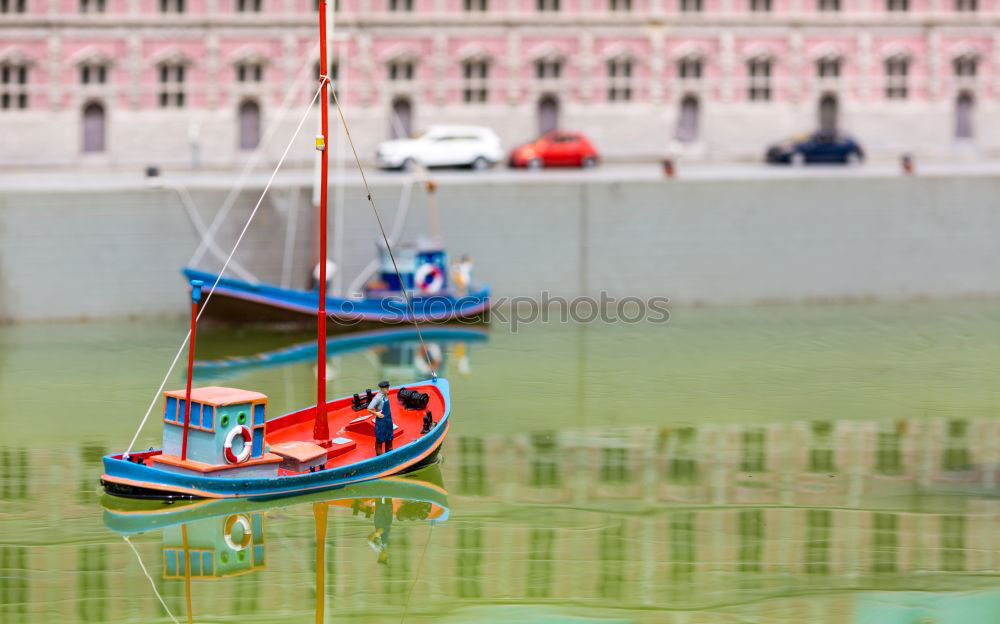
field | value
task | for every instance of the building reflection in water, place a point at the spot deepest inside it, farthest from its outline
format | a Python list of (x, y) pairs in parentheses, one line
[(652, 524)]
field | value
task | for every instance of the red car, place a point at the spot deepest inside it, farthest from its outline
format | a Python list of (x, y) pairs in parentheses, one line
[(555, 149)]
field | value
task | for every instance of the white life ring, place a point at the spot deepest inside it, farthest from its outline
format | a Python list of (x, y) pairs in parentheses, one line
[(244, 522), (433, 353), (429, 278), (244, 455)]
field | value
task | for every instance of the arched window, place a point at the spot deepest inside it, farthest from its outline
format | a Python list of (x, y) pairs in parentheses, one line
[(548, 114), (688, 120), (401, 120), (964, 106), (93, 128), (828, 113), (249, 124)]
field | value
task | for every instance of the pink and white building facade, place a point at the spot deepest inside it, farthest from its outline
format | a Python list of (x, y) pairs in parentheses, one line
[(182, 82)]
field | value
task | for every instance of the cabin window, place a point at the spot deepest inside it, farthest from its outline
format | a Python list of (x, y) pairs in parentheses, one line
[(170, 411), (258, 415)]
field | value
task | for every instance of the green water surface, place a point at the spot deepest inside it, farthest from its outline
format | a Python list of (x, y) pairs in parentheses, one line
[(772, 464)]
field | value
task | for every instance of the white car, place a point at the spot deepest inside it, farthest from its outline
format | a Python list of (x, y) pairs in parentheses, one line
[(443, 146)]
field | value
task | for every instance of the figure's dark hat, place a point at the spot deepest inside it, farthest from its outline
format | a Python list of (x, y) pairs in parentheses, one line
[(383, 384)]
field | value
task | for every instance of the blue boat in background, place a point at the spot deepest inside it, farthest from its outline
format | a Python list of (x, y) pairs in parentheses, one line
[(423, 274)]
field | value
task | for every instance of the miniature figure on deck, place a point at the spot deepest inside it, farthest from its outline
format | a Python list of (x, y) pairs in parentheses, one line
[(381, 410)]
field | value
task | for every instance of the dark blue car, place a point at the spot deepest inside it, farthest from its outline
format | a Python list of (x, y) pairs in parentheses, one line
[(819, 147)]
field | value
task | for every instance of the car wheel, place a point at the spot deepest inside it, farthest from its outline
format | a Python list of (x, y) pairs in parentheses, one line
[(480, 164), (589, 162), (854, 159), (798, 159), (408, 165), (534, 164)]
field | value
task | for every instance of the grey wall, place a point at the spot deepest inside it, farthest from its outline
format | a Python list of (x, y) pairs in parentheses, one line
[(67, 255)]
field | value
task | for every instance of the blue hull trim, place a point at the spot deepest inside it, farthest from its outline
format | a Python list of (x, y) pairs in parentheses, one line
[(431, 309), (387, 464)]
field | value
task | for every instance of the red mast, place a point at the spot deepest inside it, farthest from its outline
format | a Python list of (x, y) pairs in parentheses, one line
[(195, 298), (321, 428)]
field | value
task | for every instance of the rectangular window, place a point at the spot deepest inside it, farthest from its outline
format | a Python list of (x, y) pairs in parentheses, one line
[(965, 66), (897, 71), (828, 6), (897, 6), (250, 72), (171, 6), (170, 410), (13, 86), (475, 75), (548, 69), (401, 70), (691, 6), (208, 417), (760, 6), (623, 6), (828, 68), (91, 6), (477, 6), (689, 69), (13, 6), (258, 415), (172, 85), (195, 420), (759, 74), (966, 6), (548, 5), (93, 73), (620, 80), (402, 6), (248, 6)]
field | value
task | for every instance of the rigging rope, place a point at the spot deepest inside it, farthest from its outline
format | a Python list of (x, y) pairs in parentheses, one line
[(385, 238), (146, 572), (211, 291)]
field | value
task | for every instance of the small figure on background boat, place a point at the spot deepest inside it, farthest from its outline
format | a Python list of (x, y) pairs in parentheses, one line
[(462, 275), (381, 410)]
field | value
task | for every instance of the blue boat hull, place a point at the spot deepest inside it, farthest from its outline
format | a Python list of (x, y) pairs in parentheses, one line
[(236, 301)]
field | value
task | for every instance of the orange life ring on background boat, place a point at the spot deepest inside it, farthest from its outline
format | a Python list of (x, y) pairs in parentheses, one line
[(244, 455), (244, 523), (429, 278)]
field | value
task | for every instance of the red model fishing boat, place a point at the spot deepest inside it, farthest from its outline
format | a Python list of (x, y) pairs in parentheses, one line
[(218, 442)]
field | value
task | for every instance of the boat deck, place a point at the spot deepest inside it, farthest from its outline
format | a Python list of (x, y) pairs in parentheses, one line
[(352, 432)]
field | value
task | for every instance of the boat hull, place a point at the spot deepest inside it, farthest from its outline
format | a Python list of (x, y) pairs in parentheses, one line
[(238, 302), (135, 478)]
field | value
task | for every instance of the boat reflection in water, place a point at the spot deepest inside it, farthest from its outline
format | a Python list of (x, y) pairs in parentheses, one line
[(398, 350), (223, 538)]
